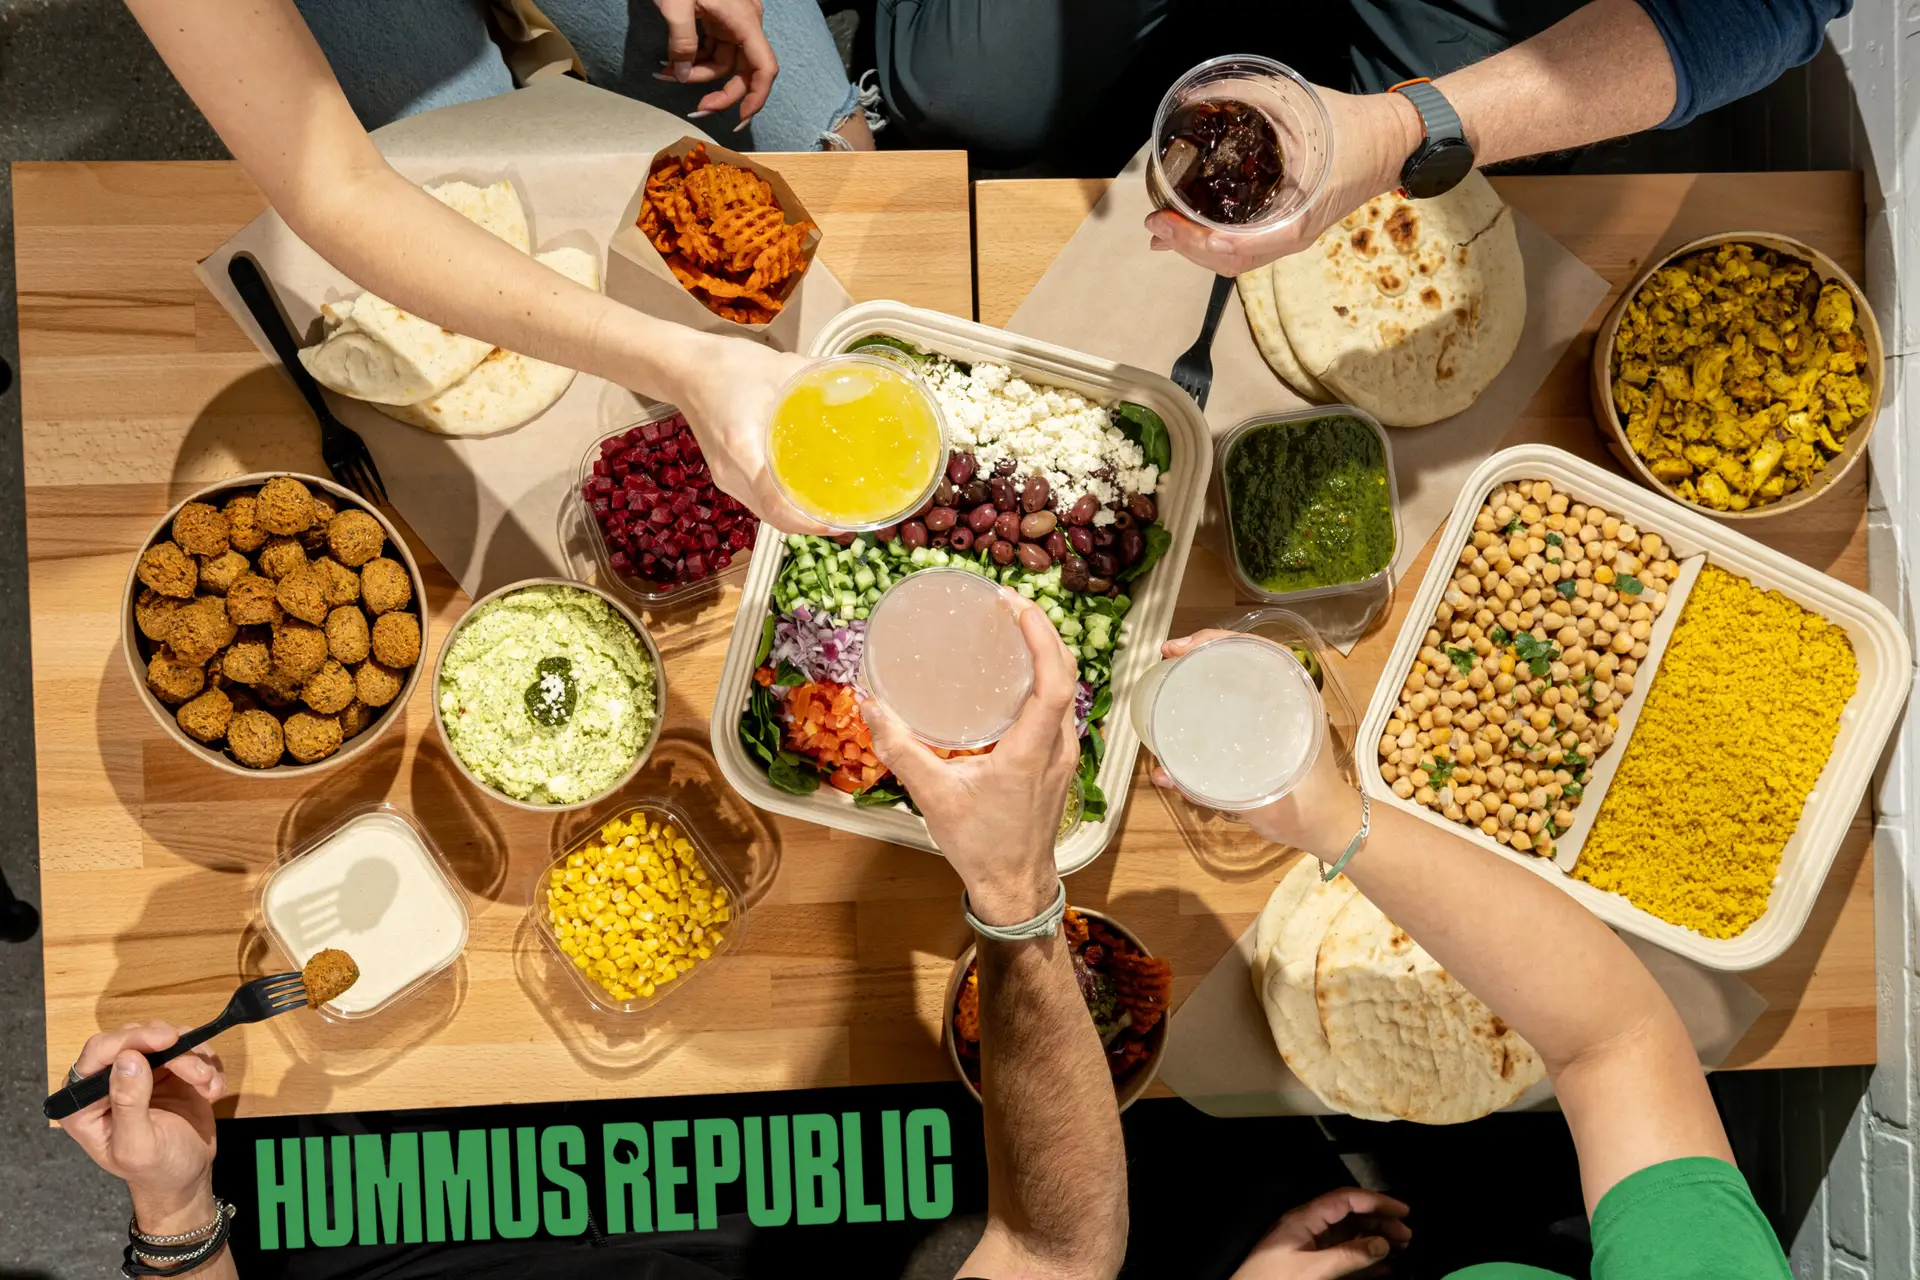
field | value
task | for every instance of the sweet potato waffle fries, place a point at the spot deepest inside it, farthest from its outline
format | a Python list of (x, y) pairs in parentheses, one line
[(1126, 994), (722, 232)]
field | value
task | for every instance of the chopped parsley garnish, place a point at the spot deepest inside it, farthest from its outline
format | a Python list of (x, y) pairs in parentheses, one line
[(1628, 585), (1515, 527), (1537, 654), (1554, 540), (1439, 772), (1565, 588), (1463, 659), (1500, 636)]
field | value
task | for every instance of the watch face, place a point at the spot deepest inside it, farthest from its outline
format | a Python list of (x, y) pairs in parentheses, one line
[(1437, 168)]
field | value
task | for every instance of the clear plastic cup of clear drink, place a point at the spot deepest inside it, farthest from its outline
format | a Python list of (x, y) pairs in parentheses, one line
[(1236, 721), (945, 653)]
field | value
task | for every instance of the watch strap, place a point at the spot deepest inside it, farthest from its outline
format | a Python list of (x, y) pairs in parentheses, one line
[(1437, 115)]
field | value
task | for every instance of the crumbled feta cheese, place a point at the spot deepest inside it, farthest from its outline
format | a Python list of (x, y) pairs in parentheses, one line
[(1048, 431)]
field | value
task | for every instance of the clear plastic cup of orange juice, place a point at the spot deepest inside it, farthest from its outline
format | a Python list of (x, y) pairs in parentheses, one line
[(856, 443)]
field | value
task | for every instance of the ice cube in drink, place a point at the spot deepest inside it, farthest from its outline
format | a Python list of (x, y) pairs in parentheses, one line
[(945, 653), (1236, 722)]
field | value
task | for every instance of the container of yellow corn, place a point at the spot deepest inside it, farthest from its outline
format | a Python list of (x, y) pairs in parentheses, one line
[(637, 907)]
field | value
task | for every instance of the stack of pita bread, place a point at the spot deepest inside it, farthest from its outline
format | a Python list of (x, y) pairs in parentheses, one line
[(1408, 309), (1368, 1020), (413, 370)]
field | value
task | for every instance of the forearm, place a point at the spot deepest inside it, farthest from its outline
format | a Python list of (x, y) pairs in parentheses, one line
[(1056, 1165)]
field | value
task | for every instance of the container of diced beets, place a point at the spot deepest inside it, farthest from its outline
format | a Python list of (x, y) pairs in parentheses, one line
[(661, 531)]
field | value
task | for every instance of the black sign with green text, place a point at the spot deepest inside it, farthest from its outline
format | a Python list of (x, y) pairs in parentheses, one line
[(710, 1182)]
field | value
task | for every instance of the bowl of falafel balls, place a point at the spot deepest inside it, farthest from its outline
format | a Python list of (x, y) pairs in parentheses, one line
[(275, 623)]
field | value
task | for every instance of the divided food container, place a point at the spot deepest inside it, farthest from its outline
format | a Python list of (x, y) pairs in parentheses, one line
[(1881, 649), (1181, 496)]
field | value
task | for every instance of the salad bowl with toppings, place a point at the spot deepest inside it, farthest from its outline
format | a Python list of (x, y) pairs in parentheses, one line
[(1071, 480)]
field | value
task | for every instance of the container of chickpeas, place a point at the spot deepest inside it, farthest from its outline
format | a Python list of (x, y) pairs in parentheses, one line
[(637, 908)]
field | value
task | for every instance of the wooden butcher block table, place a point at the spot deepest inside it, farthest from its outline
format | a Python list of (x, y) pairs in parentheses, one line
[(137, 387)]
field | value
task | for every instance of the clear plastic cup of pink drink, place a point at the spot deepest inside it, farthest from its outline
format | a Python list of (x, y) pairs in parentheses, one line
[(945, 653)]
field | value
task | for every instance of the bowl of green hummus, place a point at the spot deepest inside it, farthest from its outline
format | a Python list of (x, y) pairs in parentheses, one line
[(548, 694)]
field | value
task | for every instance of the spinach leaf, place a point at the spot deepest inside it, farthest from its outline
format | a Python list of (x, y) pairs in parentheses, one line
[(793, 774), (885, 792), (1102, 703), (760, 725), (1144, 427), (1158, 540), (766, 641), (1093, 801), (888, 341), (788, 676)]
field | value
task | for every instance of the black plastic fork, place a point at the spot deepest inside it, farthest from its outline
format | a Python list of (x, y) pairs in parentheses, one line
[(344, 452), (257, 1001), (1193, 371)]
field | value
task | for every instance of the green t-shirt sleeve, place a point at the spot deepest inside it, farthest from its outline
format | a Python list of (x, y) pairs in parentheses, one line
[(1689, 1219)]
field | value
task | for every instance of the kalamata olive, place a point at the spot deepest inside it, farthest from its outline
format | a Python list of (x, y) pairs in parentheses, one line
[(886, 533), (1007, 526), (1105, 536), (1005, 467), (961, 539), (981, 519), (945, 493), (939, 540), (1002, 552), (974, 493), (1080, 539), (1083, 509), (1036, 525), (941, 519), (1132, 547), (1104, 564), (1098, 586), (960, 468), (1142, 508), (1123, 519), (1073, 573), (1006, 494), (1034, 557), (1056, 545), (1033, 494), (1103, 473), (845, 539), (913, 534)]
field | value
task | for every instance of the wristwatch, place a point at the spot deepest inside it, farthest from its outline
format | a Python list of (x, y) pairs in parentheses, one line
[(1444, 156)]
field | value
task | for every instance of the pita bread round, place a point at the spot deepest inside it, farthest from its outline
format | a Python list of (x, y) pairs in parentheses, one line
[(1408, 308), (505, 390), (1298, 915), (375, 351), (1263, 319), (1404, 1034), (495, 208)]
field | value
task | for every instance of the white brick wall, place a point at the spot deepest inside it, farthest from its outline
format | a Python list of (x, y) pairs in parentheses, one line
[(1865, 1221)]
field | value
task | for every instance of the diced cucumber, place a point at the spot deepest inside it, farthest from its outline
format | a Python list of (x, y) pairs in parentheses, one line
[(863, 577), (1025, 589), (805, 561), (1070, 629), (1055, 614), (938, 555), (919, 557)]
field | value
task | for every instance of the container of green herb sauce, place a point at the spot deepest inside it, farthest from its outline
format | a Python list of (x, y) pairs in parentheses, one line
[(1311, 504)]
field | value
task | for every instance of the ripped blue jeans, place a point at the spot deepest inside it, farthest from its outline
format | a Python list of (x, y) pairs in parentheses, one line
[(398, 58)]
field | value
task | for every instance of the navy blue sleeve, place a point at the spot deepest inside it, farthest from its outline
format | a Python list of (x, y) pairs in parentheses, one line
[(1727, 49)]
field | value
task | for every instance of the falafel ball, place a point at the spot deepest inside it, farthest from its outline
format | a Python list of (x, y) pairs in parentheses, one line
[(169, 570), (311, 737), (314, 536), (251, 602), (247, 660), (278, 690), (172, 680), (355, 537), (299, 649), (284, 506), (219, 573), (206, 717), (282, 556), (243, 523), (303, 594), (341, 584), (356, 718), (377, 685), (254, 738), (328, 690), (200, 630), (153, 613), (347, 636), (384, 585), (200, 530), (396, 639)]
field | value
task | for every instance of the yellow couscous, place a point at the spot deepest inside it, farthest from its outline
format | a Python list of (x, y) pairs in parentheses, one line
[(1735, 731), (634, 909)]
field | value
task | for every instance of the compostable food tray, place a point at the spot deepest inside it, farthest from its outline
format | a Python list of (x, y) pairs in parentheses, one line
[(1881, 649), (1181, 496)]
